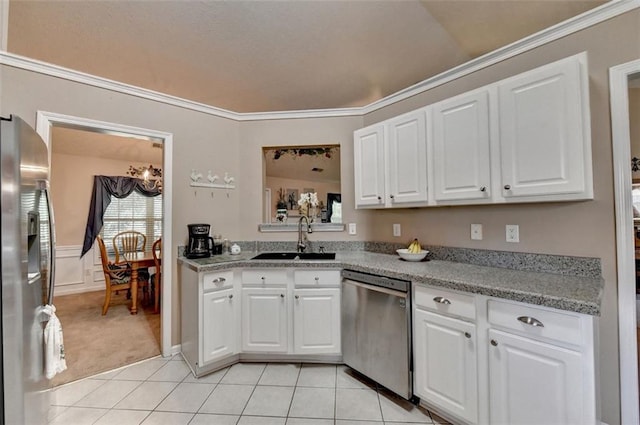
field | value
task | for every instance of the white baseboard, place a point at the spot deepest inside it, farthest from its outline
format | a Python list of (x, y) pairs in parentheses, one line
[(176, 349), (78, 289)]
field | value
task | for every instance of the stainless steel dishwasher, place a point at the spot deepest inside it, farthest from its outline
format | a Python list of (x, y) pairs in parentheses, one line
[(376, 329)]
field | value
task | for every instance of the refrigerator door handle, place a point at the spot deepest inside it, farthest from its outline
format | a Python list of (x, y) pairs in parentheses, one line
[(44, 187)]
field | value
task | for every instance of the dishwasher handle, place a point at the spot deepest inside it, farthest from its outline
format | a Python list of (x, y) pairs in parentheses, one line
[(376, 288)]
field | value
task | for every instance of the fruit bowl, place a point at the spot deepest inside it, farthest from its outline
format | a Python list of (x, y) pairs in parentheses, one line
[(409, 256)]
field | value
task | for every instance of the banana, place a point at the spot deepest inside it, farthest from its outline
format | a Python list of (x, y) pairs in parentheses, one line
[(414, 247)]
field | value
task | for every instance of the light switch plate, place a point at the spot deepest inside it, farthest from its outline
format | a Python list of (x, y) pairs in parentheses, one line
[(476, 232), (352, 228), (397, 230), (512, 233)]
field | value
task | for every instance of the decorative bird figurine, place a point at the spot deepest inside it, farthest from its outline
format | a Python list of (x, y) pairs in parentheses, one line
[(228, 179), (195, 176), (212, 178)]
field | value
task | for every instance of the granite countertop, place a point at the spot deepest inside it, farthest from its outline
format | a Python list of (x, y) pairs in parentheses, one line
[(572, 293)]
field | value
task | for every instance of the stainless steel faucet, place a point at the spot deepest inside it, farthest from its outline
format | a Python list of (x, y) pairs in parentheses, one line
[(301, 244)]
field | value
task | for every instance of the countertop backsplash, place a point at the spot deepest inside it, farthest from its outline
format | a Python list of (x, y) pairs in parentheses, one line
[(543, 263)]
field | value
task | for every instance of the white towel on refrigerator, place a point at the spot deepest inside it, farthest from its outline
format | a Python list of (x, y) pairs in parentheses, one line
[(54, 361)]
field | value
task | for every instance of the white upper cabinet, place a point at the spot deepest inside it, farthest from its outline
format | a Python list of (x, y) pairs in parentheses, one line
[(545, 136), (390, 163), (369, 166), (461, 159), (407, 159), (523, 139)]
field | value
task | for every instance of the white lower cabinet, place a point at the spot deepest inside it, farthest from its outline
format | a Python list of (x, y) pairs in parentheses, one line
[(264, 320), (292, 311), (219, 334), (447, 376), (210, 326), (316, 321), (480, 359), (532, 382)]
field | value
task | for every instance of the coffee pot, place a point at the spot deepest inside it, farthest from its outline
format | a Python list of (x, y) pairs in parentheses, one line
[(200, 243)]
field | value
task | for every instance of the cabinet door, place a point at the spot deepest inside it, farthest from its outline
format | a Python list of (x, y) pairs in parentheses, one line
[(461, 154), (316, 321), (219, 328), (545, 144), (264, 319), (532, 382), (445, 363), (407, 150), (369, 166)]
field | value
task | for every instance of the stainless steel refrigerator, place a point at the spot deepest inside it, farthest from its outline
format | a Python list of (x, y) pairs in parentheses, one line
[(28, 242)]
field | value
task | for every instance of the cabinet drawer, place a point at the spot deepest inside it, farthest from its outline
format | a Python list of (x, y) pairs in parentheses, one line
[(445, 302), (217, 280), (264, 277), (556, 325), (316, 277)]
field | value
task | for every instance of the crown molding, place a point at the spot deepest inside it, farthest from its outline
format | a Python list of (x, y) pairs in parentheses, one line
[(570, 26), (589, 18)]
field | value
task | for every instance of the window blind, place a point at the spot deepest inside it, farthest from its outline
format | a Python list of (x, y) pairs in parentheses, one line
[(135, 212)]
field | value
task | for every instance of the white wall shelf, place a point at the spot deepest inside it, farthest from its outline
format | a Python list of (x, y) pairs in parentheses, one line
[(213, 185)]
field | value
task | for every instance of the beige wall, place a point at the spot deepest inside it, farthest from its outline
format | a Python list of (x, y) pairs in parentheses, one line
[(255, 135), (577, 228), (209, 143), (71, 190), (200, 141)]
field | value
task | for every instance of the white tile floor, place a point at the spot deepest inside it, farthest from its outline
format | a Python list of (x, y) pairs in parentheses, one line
[(163, 391)]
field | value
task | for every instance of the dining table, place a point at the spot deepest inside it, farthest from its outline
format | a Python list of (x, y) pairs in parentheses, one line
[(138, 260)]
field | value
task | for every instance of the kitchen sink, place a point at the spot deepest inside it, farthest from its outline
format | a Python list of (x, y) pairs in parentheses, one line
[(295, 256)]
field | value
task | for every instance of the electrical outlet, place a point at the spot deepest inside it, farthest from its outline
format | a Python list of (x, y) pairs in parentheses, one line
[(397, 230), (352, 228), (513, 233), (476, 232)]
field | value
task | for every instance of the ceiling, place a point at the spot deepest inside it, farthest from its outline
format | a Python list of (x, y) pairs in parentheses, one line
[(262, 56)]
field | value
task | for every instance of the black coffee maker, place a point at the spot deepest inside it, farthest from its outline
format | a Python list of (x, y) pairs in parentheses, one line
[(200, 243)]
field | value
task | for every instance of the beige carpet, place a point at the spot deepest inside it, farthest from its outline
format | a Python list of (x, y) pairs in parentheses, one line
[(94, 343)]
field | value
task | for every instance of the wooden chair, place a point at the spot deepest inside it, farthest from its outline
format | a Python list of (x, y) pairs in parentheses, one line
[(128, 241), (156, 279), (116, 276)]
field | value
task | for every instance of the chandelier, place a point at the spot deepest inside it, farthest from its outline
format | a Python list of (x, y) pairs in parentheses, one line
[(146, 174)]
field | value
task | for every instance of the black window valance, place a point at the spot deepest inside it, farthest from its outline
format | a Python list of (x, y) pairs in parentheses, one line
[(104, 187)]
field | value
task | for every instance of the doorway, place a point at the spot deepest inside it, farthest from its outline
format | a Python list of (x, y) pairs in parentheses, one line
[(45, 123), (619, 82)]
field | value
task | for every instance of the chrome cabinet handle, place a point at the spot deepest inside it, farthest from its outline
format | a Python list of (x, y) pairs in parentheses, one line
[(531, 321), (281, 295), (467, 334), (230, 296), (219, 280), (507, 187), (483, 189), (494, 342), (441, 300)]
